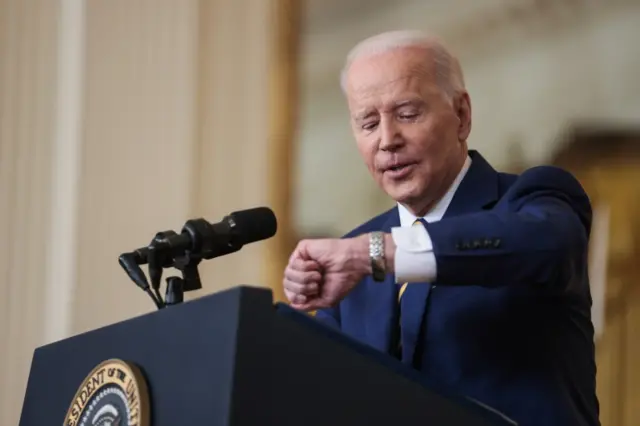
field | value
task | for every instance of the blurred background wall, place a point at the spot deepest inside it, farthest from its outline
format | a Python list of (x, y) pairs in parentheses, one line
[(121, 118), (533, 68)]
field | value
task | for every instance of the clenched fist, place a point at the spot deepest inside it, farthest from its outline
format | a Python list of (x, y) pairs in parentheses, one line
[(322, 272)]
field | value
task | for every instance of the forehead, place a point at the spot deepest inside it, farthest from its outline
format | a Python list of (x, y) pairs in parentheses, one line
[(387, 76)]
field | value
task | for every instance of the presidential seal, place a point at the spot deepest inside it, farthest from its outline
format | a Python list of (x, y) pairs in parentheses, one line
[(113, 394)]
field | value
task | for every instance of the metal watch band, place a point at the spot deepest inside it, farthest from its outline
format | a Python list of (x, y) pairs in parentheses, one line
[(376, 254)]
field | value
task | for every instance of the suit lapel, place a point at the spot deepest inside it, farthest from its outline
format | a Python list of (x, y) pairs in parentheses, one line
[(478, 189), (381, 312), (413, 304)]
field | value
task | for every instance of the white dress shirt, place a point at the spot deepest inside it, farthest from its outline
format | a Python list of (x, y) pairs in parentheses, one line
[(414, 258)]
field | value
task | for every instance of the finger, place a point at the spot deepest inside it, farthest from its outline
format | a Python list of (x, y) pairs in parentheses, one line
[(311, 305), (300, 251), (296, 299), (302, 277), (304, 265), (299, 305), (304, 249), (295, 254), (289, 295), (297, 288)]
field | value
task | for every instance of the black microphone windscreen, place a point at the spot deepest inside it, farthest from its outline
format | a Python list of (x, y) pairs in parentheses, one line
[(254, 224)]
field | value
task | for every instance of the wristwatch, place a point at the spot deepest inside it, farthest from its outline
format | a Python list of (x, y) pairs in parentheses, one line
[(376, 254)]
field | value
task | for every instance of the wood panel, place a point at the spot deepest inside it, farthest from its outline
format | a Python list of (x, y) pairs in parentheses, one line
[(607, 162), (283, 107)]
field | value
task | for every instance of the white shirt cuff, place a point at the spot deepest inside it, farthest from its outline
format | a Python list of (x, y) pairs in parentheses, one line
[(414, 258)]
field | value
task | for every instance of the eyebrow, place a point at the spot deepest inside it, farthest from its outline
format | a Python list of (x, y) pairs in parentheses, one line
[(369, 112), (411, 101), (363, 115)]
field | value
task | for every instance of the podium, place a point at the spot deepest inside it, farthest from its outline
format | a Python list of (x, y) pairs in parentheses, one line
[(231, 358)]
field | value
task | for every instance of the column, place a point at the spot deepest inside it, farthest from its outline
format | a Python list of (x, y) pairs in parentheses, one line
[(284, 106), (238, 150)]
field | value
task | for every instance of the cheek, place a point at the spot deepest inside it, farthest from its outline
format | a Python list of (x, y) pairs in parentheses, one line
[(432, 137), (367, 151), (431, 144), (423, 138), (447, 126)]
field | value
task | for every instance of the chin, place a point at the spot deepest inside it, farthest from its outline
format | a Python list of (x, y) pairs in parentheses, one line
[(404, 195)]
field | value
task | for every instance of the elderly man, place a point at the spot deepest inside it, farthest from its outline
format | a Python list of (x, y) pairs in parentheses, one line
[(478, 279)]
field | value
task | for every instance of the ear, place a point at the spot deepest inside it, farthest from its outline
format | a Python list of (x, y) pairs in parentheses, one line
[(462, 106)]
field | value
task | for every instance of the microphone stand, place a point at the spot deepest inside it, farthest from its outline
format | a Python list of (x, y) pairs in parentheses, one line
[(176, 286), (160, 257)]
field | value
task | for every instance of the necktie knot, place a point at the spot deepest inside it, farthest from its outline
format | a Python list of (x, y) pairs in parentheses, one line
[(419, 221)]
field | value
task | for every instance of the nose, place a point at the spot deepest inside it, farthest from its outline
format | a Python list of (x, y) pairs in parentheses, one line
[(390, 136)]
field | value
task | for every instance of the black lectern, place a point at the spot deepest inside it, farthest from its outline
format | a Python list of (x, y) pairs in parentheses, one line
[(231, 358)]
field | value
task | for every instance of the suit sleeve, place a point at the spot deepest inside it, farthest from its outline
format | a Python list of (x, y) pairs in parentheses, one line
[(537, 234)]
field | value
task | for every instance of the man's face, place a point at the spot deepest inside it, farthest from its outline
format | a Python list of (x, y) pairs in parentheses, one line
[(410, 134)]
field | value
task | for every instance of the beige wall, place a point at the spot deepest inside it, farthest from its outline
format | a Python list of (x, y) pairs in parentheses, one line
[(138, 144), (118, 119)]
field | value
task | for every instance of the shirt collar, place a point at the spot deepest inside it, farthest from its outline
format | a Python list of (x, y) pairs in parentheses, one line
[(437, 212)]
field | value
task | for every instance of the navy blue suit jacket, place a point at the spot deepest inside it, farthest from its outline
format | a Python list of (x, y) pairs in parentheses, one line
[(508, 319)]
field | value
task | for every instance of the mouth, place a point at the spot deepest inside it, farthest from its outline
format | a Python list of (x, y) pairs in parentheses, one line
[(398, 168), (399, 171)]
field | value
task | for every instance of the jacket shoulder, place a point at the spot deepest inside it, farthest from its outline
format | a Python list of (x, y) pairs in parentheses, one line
[(551, 178), (505, 180), (374, 224), (557, 182)]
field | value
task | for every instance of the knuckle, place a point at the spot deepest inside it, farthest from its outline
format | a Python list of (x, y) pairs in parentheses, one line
[(291, 286), (309, 289)]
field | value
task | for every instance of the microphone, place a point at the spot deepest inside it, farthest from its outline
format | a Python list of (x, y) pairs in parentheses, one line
[(208, 241), (197, 240)]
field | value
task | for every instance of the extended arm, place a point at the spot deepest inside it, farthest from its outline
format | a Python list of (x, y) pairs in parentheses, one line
[(536, 234)]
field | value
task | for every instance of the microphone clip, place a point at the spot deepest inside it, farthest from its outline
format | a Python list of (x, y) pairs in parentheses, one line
[(176, 286)]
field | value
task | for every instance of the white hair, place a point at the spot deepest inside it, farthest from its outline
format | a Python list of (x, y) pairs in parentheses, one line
[(448, 71)]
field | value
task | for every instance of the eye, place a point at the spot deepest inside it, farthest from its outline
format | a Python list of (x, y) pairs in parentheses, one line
[(408, 115), (370, 125)]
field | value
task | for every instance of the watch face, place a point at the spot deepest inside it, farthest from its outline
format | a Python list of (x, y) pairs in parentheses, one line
[(376, 253), (376, 244)]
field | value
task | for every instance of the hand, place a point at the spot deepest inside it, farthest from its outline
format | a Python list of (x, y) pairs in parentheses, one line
[(322, 272)]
